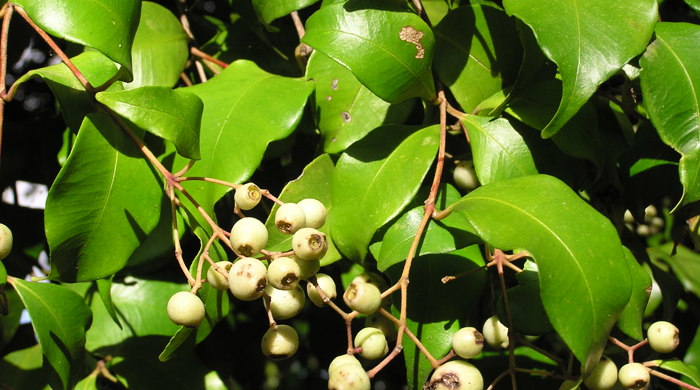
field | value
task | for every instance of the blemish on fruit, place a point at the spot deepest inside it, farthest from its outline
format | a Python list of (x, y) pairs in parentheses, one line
[(411, 35), (346, 116)]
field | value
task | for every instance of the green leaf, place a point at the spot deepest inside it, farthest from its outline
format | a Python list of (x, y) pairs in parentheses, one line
[(314, 182), (631, 318), (174, 115), (584, 285), (685, 264), (678, 367), (102, 204), (389, 50), (160, 49), (245, 108), (269, 10), (441, 236), (476, 59), (366, 192), (670, 81), (499, 150), (59, 317), (21, 369), (3, 274), (88, 383), (9, 322), (106, 25), (526, 309), (104, 288), (589, 40), (346, 109)]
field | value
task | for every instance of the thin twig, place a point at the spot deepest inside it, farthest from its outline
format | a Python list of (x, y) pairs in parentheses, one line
[(207, 57), (3, 65)]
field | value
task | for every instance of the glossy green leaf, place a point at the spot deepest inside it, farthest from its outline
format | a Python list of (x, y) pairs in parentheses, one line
[(692, 355), (441, 236), (366, 190), (104, 289), (105, 191), (670, 81), (499, 150), (434, 324), (269, 10), (88, 383), (631, 318), (160, 48), (479, 52), (59, 317), (584, 285), (21, 369), (245, 108), (3, 274), (389, 50), (314, 182), (9, 322), (525, 302), (174, 115), (685, 264), (589, 40), (678, 367), (346, 109), (106, 25)]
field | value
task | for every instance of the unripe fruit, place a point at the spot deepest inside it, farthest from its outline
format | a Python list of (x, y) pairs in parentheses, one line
[(603, 376), (456, 375), (5, 241), (495, 333), (467, 342), (283, 273), (285, 304), (373, 343), (326, 284), (384, 324), (663, 337), (315, 212), (465, 176), (341, 361), (308, 268), (280, 342), (289, 218), (215, 278), (634, 376), (247, 278), (186, 309), (247, 196), (309, 244), (364, 298), (248, 237), (348, 377)]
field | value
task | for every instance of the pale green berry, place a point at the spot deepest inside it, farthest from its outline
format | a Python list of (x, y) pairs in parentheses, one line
[(342, 360), (467, 342), (289, 218), (603, 376), (495, 333), (308, 268), (663, 336), (634, 376), (315, 212), (373, 343), (247, 196), (248, 237), (215, 278), (283, 273), (5, 241), (364, 298), (348, 377), (280, 342), (326, 284), (247, 278), (456, 375), (186, 309), (465, 176), (285, 304), (309, 244), (382, 323)]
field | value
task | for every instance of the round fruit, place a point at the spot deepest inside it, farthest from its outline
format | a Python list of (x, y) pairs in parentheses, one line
[(495, 333), (364, 298), (283, 273), (248, 237), (280, 342), (247, 196), (603, 376), (308, 268), (384, 324), (348, 376), (663, 337), (634, 376), (285, 304), (467, 342), (309, 244), (215, 278), (465, 176), (5, 241), (247, 278), (326, 284), (315, 212), (289, 218), (343, 360), (186, 309), (456, 375), (373, 343)]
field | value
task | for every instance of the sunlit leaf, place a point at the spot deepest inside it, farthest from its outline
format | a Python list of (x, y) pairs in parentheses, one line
[(269, 10)]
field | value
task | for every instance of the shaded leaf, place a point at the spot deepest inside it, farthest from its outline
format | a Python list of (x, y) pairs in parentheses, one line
[(685, 264), (21, 369), (631, 318), (269, 10), (678, 367), (104, 288), (525, 302)]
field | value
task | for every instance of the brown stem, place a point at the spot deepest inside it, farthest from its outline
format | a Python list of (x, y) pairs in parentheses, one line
[(176, 236), (669, 378), (298, 25), (499, 256), (3, 65)]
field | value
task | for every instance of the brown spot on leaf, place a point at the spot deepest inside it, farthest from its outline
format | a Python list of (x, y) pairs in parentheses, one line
[(411, 35), (334, 84), (346, 116)]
